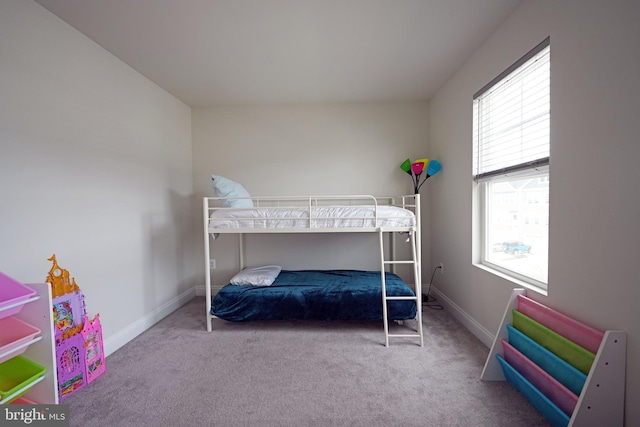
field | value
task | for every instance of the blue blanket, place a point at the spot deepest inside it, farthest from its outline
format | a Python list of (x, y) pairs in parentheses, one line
[(315, 294)]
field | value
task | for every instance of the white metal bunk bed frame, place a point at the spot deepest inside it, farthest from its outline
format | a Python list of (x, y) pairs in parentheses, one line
[(410, 202)]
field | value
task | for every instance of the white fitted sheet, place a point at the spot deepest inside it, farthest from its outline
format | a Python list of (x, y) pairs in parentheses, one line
[(321, 217)]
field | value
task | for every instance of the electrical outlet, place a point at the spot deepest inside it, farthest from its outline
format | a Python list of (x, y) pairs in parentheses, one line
[(441, 268), (212, 263)]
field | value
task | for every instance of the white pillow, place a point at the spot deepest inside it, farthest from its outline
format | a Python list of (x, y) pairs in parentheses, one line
[(226, 188), (257, 276)]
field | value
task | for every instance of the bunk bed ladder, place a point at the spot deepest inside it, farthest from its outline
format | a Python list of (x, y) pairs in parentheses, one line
[(418, 291)]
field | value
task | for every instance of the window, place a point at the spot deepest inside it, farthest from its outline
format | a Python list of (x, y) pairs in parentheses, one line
[(511, 164)]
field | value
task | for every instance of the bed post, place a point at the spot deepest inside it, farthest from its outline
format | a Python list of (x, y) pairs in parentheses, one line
[(207, 254), (392, 250), (418, 244), (417, 276), (385, 320), (241, 250)]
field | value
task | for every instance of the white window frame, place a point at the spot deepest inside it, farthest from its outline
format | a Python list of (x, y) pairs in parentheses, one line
[(538, 167)]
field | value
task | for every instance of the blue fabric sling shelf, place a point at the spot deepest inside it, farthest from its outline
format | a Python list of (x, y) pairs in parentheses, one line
[(573, 374)]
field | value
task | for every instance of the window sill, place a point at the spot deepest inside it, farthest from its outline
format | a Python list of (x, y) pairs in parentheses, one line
[(518, 282)]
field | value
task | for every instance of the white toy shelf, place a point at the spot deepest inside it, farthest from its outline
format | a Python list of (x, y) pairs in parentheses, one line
[(29, 313), (572, 373)]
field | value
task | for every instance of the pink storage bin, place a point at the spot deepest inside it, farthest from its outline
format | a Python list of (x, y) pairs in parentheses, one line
[(12, 292), (14, 333)]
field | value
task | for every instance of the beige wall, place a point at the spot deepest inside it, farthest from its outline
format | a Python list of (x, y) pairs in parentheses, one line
[(95, 166), (292, 150), (595, 204)]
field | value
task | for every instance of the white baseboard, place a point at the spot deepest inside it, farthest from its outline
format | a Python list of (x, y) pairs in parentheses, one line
[(200, 290), (116, 341), (463, 317)]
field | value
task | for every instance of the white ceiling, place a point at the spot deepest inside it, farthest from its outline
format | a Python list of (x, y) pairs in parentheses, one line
[(233, 52)]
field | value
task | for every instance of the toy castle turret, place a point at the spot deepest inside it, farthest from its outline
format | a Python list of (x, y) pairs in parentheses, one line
[(59, 279)]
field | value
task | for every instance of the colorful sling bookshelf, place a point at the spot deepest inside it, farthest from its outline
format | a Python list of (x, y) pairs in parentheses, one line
[(79, 345), (573, 374)]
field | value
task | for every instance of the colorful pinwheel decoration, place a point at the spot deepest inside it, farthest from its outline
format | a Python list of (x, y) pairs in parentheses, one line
[(417, 168)]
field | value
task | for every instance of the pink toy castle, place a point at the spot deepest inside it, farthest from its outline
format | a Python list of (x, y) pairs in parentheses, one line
[(79, 346), (71, 365), (93, 348)]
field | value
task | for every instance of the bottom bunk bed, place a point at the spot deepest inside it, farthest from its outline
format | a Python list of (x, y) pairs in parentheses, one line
[(316, 295)]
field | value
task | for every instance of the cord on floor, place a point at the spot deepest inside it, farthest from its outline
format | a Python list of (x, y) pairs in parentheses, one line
[(427, 299)]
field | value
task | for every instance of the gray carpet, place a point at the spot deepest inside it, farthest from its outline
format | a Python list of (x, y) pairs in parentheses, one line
[(298, 373)]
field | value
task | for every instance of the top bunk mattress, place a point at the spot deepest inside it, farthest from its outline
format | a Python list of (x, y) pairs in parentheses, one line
[(317, 217)]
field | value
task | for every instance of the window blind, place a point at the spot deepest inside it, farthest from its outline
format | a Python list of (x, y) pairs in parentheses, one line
[(511, 126)]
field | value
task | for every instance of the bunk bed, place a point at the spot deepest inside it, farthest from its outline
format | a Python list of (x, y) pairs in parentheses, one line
[(314, 294)]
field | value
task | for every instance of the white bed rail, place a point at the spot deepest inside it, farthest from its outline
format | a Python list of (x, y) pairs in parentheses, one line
[(313, 213)]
